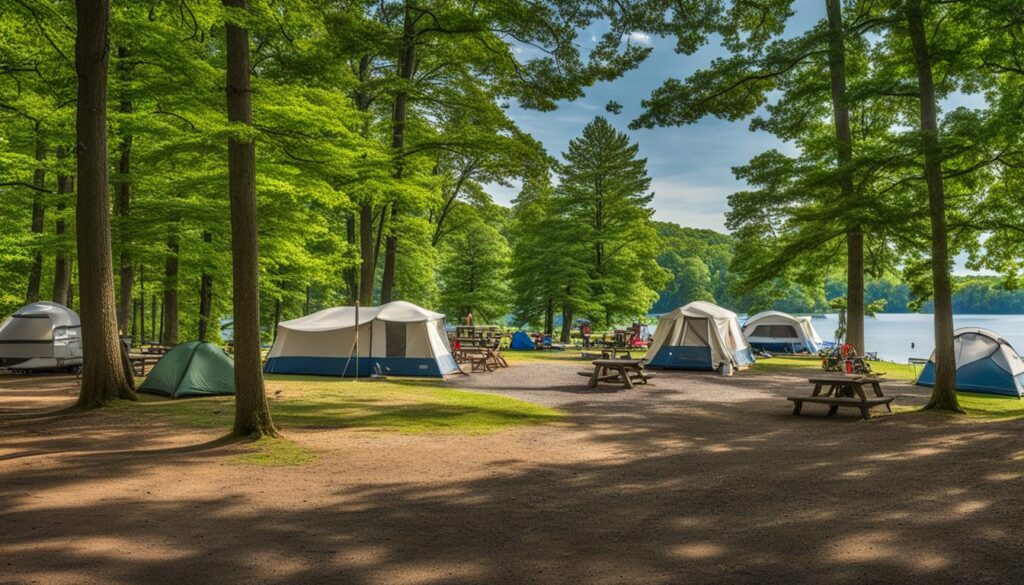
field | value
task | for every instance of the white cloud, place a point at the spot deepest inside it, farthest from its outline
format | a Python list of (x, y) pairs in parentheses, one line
[(640, 38), (689, 204)]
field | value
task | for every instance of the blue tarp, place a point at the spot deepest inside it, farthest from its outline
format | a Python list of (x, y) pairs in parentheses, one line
[(520, 340)]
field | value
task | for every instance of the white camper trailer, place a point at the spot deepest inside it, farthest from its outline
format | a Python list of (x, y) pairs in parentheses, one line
[(41, 336)]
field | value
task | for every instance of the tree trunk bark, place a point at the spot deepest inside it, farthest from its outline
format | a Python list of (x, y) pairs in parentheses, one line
[(35, 273), (252, 412), (944, 392), (406, 66), (170, 326), (549, 316), (387, 277), (351, 275), (566, 317), (205, 296), (368, 267), (106, 374), (142, 304), (844, 157), (122, 207), (62, 265)]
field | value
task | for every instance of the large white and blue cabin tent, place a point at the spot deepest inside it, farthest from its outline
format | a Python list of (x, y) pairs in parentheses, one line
[(985, 363), (41, 336), (396, 338), (698, 336), (780, 332)]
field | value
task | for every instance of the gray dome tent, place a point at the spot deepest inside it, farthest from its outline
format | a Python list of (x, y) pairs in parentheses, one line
[(192, 369)]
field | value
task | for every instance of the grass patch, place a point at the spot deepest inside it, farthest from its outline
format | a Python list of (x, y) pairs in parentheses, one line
[(892, 370), (400, 405), (273, 452)]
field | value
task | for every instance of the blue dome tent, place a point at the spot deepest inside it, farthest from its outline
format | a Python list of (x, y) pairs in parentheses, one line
[(985, 363), (522, 341)]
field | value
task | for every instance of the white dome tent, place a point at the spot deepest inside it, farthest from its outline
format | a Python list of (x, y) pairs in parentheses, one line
[(41, 336), (782, 333), (985, 363), (396, 338), (698, 336)]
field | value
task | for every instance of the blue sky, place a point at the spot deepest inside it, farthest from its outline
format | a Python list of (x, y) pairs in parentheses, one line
[(690, 166)]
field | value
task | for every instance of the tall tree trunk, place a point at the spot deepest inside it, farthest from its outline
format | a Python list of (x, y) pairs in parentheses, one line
[(252, 412), (122, 207), (62, 264), (368, 266), (566, 316), (844, 156), (549, 316), (351, 274), (944, 393), (156, 335), (406, 66), (387, 277), (35, 273), (142, 304), (106, 373), (205, 296), (170, 325), (277, 316), (305, 307)]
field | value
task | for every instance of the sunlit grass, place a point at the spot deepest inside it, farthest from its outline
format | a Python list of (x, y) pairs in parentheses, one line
[(982, 406), (273, 452), (400, 405), (891, 370)]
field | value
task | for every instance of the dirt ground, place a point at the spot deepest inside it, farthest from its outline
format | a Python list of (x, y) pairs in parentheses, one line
[(692, 479)]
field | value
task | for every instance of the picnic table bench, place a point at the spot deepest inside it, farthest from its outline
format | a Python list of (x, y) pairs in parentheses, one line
[(844, 391), (626, 372), (139, 361)]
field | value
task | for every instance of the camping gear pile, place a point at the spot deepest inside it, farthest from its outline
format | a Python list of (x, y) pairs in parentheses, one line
[(699, 336), (843, 358), (396, 338), (41, 336)]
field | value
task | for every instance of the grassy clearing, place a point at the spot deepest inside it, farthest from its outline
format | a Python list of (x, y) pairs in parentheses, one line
[(274, 453), (400, 405), (980, 406), (891, 370)]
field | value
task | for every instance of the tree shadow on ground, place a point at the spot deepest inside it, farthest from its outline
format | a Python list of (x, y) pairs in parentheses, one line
[(665, 489)]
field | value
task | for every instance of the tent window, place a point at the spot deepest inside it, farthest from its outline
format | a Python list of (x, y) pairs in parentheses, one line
[(785, 331), (395, 337)]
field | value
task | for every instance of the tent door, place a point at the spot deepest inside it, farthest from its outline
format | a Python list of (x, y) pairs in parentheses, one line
[(395, 335)]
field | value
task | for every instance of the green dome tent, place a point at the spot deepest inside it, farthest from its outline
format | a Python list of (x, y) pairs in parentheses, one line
[(192, 369)]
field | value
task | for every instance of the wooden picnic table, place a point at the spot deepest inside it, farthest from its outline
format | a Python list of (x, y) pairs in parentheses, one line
[(626, 372), (844, 390), (481, 358), (139, 361)]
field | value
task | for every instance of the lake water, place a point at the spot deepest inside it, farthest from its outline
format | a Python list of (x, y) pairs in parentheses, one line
[(899, 336)]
